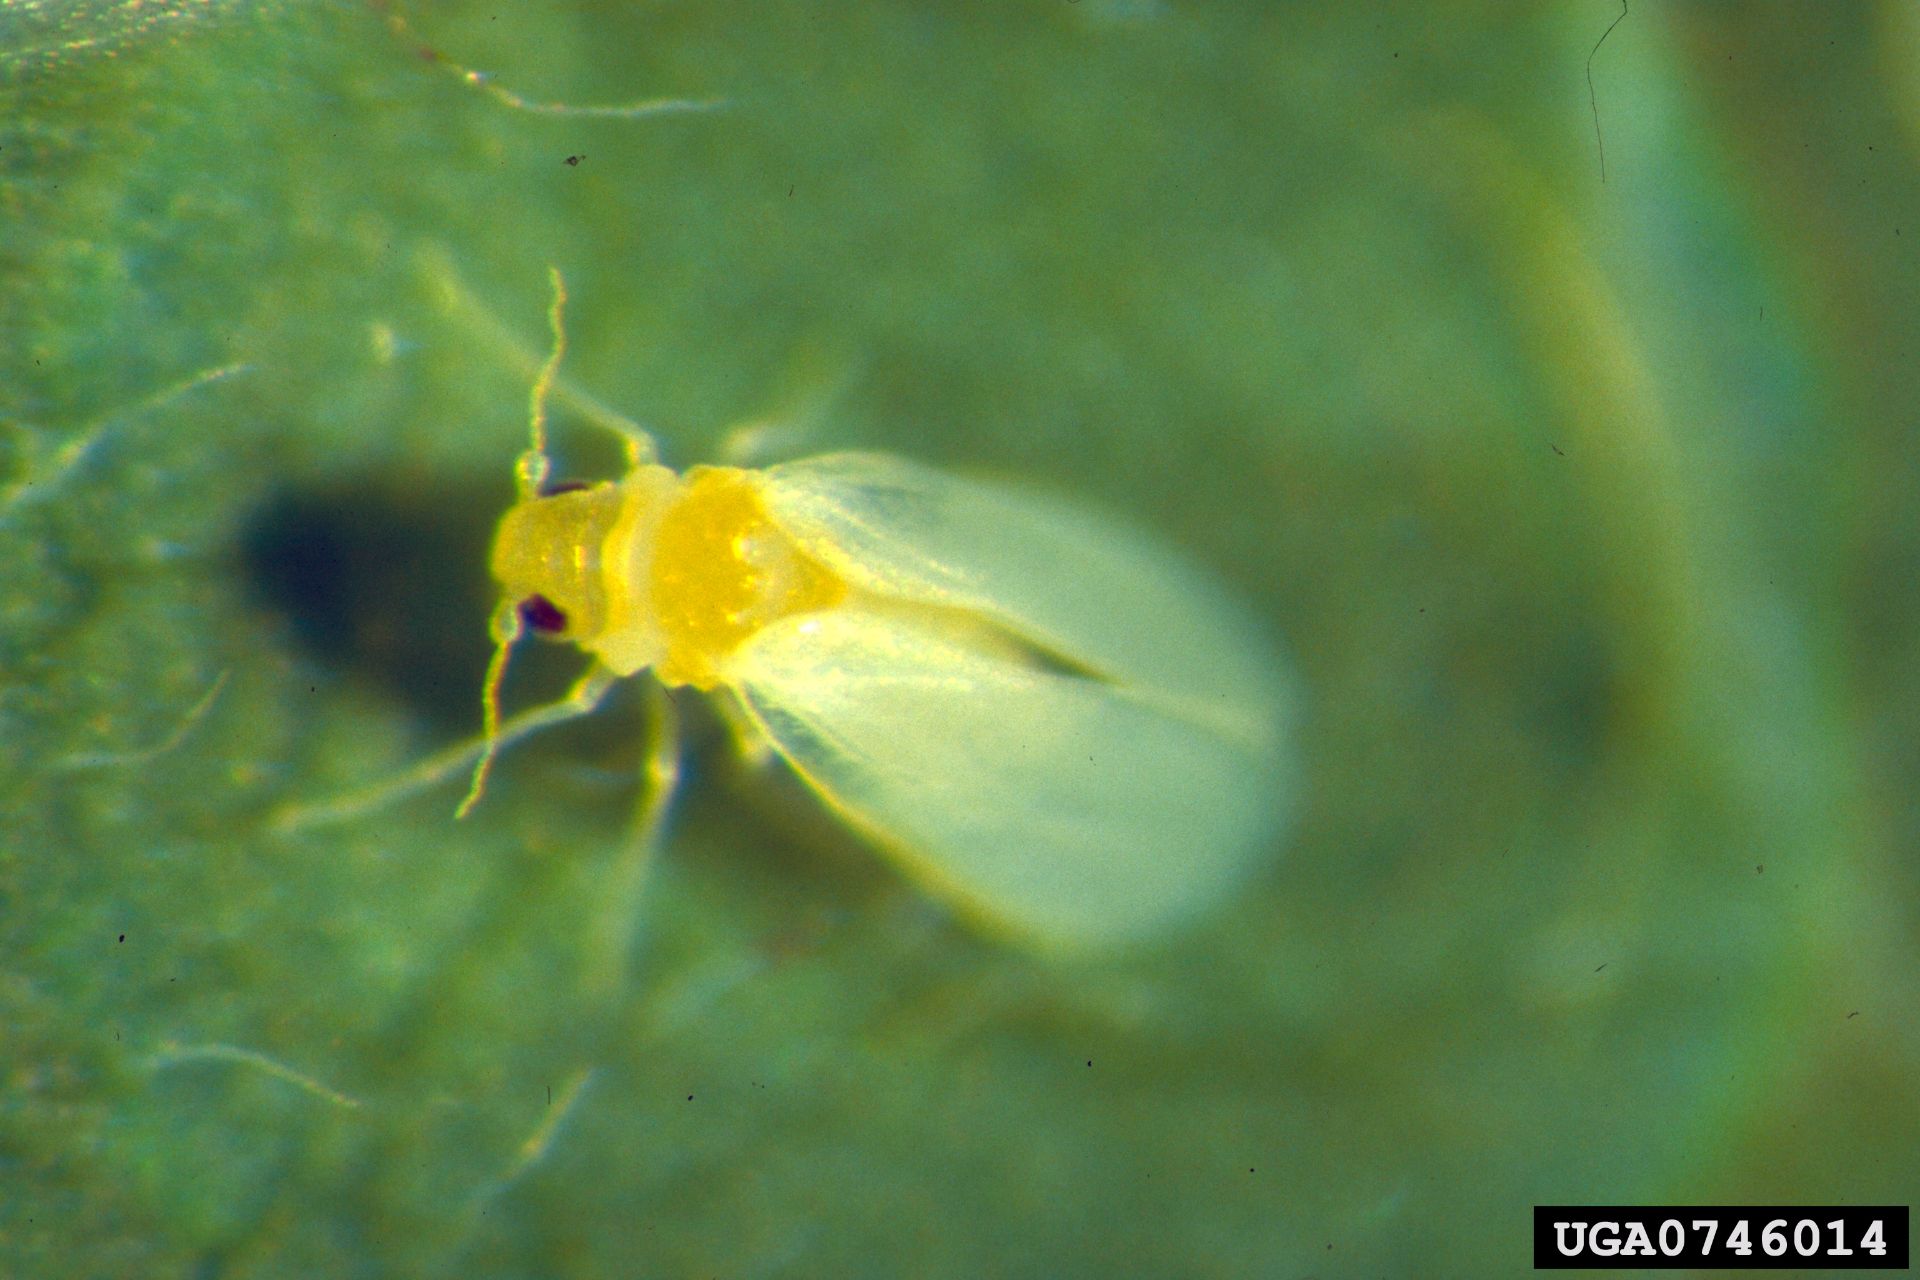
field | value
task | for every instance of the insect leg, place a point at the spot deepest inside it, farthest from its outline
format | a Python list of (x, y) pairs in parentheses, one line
[(531, 470), (760, 441), (540, 1142), (458, 301), (789, 430), (585, 695), (748, 740), (613, 939), (533, 463)]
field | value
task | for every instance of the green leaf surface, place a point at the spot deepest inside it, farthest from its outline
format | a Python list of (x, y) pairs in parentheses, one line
[(1585, 510)]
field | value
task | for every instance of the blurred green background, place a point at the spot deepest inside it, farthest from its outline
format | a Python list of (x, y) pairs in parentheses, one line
[(1585, 510)]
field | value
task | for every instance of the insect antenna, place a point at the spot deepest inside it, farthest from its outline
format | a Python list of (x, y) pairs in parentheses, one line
[(506, 628), (532, 468), (530, 475)]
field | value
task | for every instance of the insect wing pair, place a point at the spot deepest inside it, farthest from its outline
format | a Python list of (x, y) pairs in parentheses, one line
[(1057, 725)]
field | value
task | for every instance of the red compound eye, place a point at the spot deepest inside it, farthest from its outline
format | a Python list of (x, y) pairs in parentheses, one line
[(542, 616)]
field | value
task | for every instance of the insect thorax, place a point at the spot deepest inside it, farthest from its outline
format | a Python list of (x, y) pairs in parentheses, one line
[(722, 570), (660, 570)]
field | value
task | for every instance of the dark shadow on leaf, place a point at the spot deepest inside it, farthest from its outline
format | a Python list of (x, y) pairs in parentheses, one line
[(384, 584)]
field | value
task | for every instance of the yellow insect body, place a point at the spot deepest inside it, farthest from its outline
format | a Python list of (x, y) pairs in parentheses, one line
[(1059, 726), (1067, 731), (659, 571)]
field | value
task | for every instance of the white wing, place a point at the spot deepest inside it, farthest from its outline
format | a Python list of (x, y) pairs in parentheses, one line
[(1054, 573), (1053, 806)]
